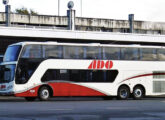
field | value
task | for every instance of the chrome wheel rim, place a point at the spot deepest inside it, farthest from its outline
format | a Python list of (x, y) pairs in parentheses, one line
[(138, 93), (45, 93), (123, 93)]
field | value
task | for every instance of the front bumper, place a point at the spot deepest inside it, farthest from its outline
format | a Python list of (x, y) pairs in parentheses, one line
[(6, 93)]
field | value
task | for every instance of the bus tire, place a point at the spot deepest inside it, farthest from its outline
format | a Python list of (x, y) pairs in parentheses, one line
[(30, 98), (123, 93), (44, 93), (138, 93)]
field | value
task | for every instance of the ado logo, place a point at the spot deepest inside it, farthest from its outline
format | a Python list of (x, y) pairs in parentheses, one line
[(100, 64)]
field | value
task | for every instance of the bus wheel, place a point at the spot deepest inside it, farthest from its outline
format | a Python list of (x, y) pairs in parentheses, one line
[(30, 98), (138, 93), (44, 93), (123, 93)]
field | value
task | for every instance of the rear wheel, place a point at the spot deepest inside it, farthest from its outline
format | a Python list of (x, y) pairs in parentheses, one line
[(123, 93), (44, 93), (138, 93), (30, 98)]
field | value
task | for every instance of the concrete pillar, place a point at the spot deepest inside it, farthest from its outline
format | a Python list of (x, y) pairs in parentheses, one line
[(7, 11), (131, 23), (71, 19)]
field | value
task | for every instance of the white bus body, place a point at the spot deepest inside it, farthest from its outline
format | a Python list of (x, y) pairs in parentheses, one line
[(130, 74)]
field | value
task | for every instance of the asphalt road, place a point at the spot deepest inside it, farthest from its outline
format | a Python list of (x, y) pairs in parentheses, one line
[(82, 109)]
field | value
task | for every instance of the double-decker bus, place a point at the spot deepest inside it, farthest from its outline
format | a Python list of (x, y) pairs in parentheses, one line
[(49, 69)]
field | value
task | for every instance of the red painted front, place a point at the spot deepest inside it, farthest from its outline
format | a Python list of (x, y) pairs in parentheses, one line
[(29, 93), (63, 89)]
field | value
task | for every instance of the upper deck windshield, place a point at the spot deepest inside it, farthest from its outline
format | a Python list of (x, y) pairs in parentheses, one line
[(12, 53)]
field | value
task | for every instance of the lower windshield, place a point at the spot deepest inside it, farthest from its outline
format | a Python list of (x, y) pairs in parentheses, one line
[(7, 73), (12, 53)]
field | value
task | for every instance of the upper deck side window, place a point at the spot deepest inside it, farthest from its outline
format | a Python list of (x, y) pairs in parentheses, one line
[(161, 54), (52, 51), (32, 51), (148, 54), (111, 53), (73, 52), (81, 52), (92, 52), (129, 53)]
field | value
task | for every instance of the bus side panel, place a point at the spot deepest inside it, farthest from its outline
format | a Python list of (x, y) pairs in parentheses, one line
[(70, 89), (33, 92)]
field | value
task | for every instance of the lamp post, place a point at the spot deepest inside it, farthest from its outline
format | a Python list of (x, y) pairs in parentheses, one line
[(58, 7), (7, 12), (71, 16), (81, 7), (131, 23)]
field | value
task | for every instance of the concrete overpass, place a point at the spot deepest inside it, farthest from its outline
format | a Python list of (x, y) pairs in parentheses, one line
[(84, 24)]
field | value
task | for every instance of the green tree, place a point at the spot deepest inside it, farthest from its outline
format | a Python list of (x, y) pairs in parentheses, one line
[(32, 12), (25, 11)]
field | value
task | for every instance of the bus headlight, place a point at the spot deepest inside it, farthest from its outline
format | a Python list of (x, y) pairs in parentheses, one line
[(9, 87), (4, 88)]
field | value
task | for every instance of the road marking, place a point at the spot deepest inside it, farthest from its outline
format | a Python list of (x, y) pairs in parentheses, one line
[(119, 108), (60, 109)]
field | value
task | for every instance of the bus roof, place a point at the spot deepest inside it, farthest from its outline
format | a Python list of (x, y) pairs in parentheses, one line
[(81, 35), (86, 44)]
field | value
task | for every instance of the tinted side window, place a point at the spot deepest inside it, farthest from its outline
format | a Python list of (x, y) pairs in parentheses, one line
[(111, 53), (161, 54), (129, 54), (50, 75), (148, 54), (52, 51), (73, 52), (32, 51), (25, 69), (92, 52), (80, 75)]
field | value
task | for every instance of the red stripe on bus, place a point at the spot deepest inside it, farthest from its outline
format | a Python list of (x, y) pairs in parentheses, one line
[(143, 75), (63, 89), (70, 89)]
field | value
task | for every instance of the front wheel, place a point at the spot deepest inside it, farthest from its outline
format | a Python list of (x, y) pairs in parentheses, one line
[(138, 93), (123, 93), (44, 93)]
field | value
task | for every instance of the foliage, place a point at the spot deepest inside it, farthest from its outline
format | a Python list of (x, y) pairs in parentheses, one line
[(25, 11)]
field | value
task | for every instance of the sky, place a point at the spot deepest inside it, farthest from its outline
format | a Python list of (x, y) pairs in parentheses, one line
[(145, 10)]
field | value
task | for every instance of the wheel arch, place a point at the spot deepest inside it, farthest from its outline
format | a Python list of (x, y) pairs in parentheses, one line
[(125, 86), (49, 87)]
